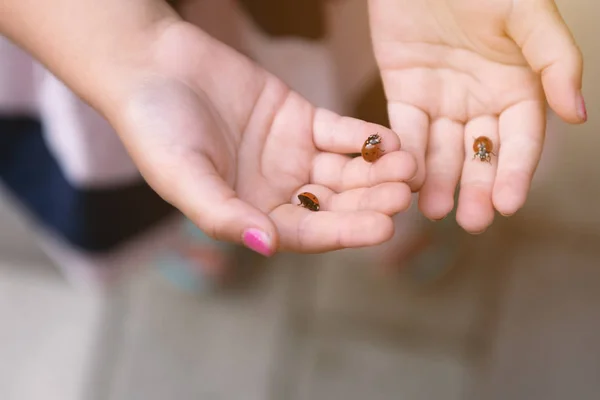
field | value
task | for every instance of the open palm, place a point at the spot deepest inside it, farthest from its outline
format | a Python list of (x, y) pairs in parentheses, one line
[(454, 70), (231, 146)]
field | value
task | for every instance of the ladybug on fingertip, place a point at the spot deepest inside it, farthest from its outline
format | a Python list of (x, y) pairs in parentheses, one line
[(309, 201), (371, 150), (483, 148)]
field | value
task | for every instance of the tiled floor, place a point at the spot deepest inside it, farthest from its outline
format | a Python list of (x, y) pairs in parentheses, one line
[(48, 331), (314, 327), (47, 339), (545, 345)]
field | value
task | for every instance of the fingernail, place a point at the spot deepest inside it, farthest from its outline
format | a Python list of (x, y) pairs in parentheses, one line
[(581, 110), (258, 241)]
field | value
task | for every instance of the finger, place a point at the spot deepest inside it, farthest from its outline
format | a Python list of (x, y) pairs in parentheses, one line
[(412, 125), (344, 135), (341, 173), (550, 49), (386, 198), (445, 158), (475, 210), (522, 130), (301, 230)]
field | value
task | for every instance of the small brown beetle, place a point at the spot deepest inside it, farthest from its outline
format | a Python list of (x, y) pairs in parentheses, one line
[(371, 150), (309, 201), (483, 148)]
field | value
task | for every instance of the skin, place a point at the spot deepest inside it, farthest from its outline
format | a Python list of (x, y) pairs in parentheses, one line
[(224, 141), (230, 145), (458, 69)]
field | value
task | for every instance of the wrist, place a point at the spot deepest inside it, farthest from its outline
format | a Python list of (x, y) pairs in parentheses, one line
[(92, 46), (124, 66)]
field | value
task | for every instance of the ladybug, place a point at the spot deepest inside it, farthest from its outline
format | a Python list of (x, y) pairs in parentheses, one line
[(483, 148), (371, 150), (309, 201)]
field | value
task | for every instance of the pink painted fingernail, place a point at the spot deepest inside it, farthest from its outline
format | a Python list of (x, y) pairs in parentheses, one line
[(581, 109), (258, 241)]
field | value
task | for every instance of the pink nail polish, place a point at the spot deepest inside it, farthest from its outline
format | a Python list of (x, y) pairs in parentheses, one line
[(581, 109), (258, 241)]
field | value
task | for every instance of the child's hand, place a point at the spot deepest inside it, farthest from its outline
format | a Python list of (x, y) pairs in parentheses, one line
[(454, 70), (232, 147)]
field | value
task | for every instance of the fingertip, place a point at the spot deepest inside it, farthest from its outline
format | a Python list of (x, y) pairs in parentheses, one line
[(507, 208), (433, 210), (581, 107), (473, 224), (418, 171), (562, 81), (405, 196), (402, 164), (273, 234), (364, 229), (412, 167), (238, 222), (391, 198), (390, 141), (510, 196), (383, 228), (417, 181), (475, 212), (570, 107), (397, 166), (259, 241), (435, 200)]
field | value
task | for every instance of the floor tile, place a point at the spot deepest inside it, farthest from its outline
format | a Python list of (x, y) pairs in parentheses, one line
[(47, 339), (176, 345)]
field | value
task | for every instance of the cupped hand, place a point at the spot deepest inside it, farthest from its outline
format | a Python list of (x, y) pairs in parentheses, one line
[(231, 147), (454, 70)]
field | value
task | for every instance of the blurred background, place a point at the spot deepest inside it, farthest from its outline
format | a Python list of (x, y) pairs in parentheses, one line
[(514, 318)]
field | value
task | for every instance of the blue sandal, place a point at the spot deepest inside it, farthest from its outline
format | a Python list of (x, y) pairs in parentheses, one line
[(199, 265)]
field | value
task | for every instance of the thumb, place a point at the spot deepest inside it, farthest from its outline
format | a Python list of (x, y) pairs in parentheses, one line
[(550, 49), (174, 160), (208, 201)]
